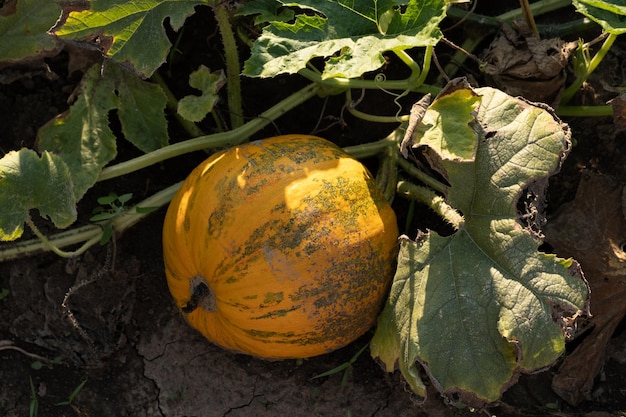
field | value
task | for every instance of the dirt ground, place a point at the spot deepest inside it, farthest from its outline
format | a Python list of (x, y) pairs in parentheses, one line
[(137, 357)]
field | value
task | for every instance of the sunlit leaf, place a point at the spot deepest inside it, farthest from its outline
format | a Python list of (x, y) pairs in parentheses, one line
[(130, 32), (352, 35), (266, 11)]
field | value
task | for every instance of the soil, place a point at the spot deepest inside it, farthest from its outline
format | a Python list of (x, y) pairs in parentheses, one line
[(107, 318)]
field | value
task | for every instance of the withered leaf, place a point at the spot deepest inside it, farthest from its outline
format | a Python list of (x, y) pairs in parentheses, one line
[(592, 229)]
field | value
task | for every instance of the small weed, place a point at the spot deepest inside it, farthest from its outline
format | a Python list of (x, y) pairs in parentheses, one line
[(177, 396), (4, 294), (110, 207), (116, 205), (33, 408), (73, 394), (343, 367), (38, 364), (555, 405)]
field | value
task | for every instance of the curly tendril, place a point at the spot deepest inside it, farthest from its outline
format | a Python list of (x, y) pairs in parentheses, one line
[(381, 78)]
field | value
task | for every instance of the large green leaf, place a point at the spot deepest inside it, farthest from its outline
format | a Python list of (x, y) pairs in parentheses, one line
[(477, 307), (610, 14), (266, 11), (28, 181), (353, 34), (129, 32), (23, 33), (82, 136)]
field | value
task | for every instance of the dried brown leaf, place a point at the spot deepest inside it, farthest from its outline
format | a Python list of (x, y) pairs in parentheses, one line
[(524, 65), (619, 111), (592, 229)]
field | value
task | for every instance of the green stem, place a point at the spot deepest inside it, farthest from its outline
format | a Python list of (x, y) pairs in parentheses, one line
[(416, 173), (345, 83), (350, 106), (233, 83), (593, 64), (376, 118), (87, 235), (232, 137), (537, 8), (387, 173), (44, 243), (489, 24), (573, 27), (433, 200), (428, 54), (584, 111), (367, 150), (410, 62)]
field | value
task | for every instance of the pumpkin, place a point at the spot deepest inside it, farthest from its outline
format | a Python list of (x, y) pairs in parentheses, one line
[(280, 248)]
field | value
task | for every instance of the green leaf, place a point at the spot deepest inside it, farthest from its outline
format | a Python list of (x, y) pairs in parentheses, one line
[(101, 217), (76, 391), (129, 32), (107, 199), (28, 181), (448, 124), (23, 34), (146, 210), (141, 110), (82, 136), (477, 307), (125, 198), (195, 108), (353, 34), (266, 11), (610, 14)]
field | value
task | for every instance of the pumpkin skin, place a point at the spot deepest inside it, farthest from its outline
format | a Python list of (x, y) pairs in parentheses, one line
[(280, 248)]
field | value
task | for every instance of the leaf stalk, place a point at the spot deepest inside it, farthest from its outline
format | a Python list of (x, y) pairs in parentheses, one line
[(87, 235), (233, 83), (232, 137), (433, 200), (593, 64)]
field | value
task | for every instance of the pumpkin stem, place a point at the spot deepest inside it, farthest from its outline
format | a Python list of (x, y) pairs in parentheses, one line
[(201, 296)]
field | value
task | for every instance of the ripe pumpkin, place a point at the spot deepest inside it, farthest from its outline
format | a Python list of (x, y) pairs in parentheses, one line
[(281, 248)]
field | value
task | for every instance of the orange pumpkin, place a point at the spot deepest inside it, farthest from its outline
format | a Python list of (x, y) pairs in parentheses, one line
[(280, 248)]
